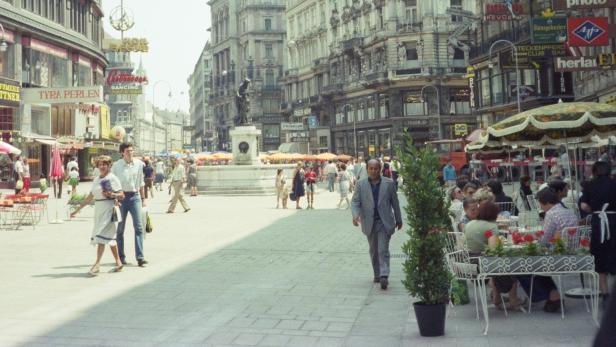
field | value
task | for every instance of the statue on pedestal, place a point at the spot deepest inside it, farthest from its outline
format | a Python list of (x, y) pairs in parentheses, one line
[(242, 103)]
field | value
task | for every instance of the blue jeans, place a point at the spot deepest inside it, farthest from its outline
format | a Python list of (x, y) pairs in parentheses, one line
[(331, 179), (132, 204)]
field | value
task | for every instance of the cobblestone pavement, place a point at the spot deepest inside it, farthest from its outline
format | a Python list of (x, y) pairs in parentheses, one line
[(234, 271)]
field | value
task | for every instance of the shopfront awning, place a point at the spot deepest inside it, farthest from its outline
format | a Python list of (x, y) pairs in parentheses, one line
[(46, 142)]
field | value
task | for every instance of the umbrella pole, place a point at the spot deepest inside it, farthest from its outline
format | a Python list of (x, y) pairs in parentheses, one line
[(56, 220)]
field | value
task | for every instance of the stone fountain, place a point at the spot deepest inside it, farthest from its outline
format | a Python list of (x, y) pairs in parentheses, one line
[(245, 175)]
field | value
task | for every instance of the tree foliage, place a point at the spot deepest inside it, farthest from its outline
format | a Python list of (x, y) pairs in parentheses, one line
[(427, 212)]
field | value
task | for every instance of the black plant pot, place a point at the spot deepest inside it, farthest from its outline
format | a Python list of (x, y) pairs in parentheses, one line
[(430, 319)]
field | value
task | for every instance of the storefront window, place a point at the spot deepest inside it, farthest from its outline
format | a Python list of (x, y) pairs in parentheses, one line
[(271, 131), (371, 112), (384, 107), (385, 142), (44, 69), (497, 85), (459, 101), (82, 75), (484, 87)]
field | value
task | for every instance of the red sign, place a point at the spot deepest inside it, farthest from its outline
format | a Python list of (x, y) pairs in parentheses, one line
[(590, 31), (121, 77), (500, 11)]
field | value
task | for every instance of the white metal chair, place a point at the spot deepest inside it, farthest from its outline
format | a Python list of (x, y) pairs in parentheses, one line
[(507, 207)]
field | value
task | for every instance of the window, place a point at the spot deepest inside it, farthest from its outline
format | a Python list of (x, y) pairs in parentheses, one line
[(268, 24), (411, 54), (413, 105), (323, 141), (269, 52), (269, 78)]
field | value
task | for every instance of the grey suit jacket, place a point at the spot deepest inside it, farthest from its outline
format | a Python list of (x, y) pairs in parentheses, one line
[(388, 205)]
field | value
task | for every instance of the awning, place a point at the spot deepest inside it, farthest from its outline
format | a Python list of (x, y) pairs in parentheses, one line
[(47, 142)]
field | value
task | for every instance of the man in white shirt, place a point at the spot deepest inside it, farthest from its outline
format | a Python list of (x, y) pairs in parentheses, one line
[(178, 177), (130, 173), (71, 164), (18, 167), (330, 171)]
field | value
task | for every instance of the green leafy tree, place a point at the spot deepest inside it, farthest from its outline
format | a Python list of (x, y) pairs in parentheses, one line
[(427, 212)]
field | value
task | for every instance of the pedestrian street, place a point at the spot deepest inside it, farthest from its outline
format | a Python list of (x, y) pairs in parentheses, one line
[(235, 271)]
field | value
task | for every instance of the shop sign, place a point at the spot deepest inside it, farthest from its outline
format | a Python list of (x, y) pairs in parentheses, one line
[(588, 31), (302, 112), (564, 5), (508, 62), (291, 126), (131, 45), (85, 108), (9, 93), (501, 11), (471, 90), (548, 30), (313, 122), (70, 95), (122, 89), (123, 77), (300, 136), (541, 51), (460, 130), (599, 62)]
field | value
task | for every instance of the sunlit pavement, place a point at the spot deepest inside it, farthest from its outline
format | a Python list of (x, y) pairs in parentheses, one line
[(235, 271)]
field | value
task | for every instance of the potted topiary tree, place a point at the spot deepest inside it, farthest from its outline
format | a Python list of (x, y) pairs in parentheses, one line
[(427, 276)]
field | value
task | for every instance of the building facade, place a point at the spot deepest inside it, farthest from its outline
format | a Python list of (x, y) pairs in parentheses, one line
[(201, 114), (495, 82), (51, 58), (248, 42), (369, 70)]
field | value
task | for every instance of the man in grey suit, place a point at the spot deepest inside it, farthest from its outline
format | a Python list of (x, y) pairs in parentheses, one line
[(375, 205)]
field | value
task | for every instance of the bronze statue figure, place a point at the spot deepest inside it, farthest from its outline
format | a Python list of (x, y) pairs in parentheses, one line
[(242, 103)]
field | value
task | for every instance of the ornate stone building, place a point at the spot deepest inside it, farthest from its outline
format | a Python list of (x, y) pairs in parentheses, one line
[(370, 69), (247, 42), (201, 115)]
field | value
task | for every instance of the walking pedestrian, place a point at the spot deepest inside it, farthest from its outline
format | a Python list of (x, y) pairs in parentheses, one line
[(73, 179), (129, 171), (344, 184), (281, 189), (330, 171), (26, 177), (375, 205), (395, 168), (298, 184), (148, 179), (449, 174), (18, 169), (178, 177), (192, 177), (160, 175), (311, 186), (106, 191)]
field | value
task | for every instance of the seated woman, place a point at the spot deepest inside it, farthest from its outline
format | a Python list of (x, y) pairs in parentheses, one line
[(456, 207), (484, 195), (482, 233), (501, 198), (525, 191), (471, 210), (557, 218)]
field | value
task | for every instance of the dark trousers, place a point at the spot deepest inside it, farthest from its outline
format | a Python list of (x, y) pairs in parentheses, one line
[(542, 286)]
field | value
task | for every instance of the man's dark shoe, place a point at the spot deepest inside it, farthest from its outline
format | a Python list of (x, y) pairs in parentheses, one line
[(384, 282), (377, 280), (142, 262)]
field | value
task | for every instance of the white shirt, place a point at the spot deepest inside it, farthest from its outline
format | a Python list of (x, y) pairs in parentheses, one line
[(129, 174), (71, 164), (178, 174), (160, 167), (330, 168), (73, 174), (18, 166), (26, 169)]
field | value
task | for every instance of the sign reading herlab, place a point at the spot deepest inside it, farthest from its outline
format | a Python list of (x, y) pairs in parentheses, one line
[(9, 93), (563, 5), (69, 95), (588, 31), (599, 62)]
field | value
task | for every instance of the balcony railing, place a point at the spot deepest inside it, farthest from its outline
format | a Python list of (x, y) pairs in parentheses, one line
[(521, 33), (352, 43)]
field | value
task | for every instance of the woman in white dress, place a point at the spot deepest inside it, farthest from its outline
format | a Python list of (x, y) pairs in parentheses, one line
[(106, 189), (344, 179)]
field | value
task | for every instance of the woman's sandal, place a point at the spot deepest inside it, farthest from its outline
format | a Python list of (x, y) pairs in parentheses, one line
[(94, 271), (118, 268)]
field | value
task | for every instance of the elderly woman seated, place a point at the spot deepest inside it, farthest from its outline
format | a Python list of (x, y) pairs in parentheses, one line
[(481, 234)]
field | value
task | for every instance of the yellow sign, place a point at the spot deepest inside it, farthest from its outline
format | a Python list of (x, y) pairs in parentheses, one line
[(9, 93), (470, 72), (105, 123), (131, 45), (371, 149), (460, 129)]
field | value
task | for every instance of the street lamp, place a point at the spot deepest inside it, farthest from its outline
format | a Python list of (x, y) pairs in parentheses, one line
[(517, 68), (354, 128), (154, 111), (438, 108)]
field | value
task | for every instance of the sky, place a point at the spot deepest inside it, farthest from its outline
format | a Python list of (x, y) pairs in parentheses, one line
[(176, 35)]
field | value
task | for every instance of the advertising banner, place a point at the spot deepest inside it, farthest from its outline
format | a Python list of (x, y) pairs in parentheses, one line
[(548, 30), (592, 31), (566, 5), (9, 93), (592, 63), (93, 94), (291, 126)]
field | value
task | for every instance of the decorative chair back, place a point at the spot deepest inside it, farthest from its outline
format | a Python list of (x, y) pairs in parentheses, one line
[(456, 241), (575, 236), (461, 266), (506, 207)]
